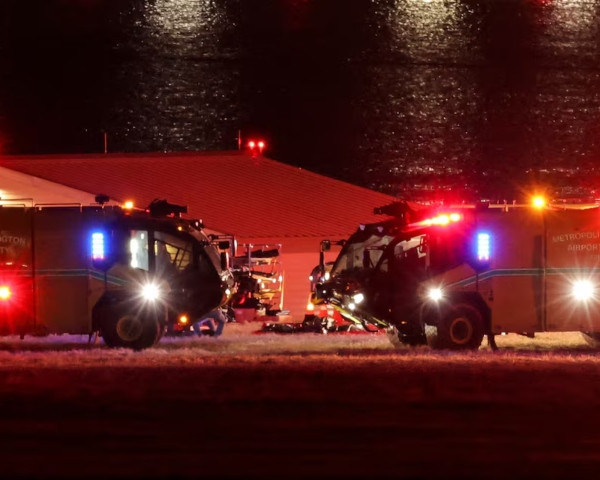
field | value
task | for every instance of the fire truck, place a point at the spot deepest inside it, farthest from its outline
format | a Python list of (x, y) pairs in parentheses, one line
[(447, 277), (125, 274)]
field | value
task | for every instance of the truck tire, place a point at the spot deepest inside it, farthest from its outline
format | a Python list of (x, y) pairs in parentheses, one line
[(122, 328), (460, 327)]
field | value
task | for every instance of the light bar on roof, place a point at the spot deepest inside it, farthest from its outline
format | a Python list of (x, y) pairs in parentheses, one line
[(440, 220)]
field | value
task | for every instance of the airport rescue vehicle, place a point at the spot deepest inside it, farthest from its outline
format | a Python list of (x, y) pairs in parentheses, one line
[(124, 273), (449, 276)]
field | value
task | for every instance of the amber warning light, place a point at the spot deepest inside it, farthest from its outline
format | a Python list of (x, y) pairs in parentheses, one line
[(538, 201)]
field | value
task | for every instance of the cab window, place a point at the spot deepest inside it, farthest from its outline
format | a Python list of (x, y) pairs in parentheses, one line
[(173, 251), (138, 249)]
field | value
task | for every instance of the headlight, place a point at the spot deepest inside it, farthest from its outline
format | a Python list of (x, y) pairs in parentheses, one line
[(5, 292), (583, 290), (435, 294), (151, 292), (358, 298)]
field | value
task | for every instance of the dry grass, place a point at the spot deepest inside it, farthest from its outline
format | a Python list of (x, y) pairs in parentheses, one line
[(241, 341), (298, 406)]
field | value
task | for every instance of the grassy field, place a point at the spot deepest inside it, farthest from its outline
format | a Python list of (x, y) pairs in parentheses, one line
[(299, 406)]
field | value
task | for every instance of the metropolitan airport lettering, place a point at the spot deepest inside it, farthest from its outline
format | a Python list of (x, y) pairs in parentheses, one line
[(579, 247)]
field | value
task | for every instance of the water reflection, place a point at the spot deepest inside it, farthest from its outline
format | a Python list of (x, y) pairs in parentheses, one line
[(182, 92), (179, 18), (569, 30), (386, 93), (433, 30), (480, 95), (425, 107)]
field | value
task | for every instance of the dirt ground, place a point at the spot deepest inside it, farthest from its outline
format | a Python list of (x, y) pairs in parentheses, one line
[(298, 406)]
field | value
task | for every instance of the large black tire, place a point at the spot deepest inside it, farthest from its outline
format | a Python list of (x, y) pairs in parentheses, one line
[(460, 327), (121, 327)]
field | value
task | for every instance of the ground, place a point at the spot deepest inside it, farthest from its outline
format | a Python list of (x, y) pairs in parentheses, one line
[(298, 406)]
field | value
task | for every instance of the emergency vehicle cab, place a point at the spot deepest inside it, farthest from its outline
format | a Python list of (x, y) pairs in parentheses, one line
[(124, 273), (447, 277)]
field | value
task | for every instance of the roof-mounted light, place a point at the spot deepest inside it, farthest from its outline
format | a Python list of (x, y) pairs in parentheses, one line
[(538, 201), (256, 145), (440, 220)]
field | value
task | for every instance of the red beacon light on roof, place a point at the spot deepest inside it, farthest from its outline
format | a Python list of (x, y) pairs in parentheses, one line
[(256, 146)]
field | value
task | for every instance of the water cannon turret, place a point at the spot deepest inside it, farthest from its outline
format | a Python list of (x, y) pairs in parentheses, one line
[(400, 210), (101, 198), (162, 208)]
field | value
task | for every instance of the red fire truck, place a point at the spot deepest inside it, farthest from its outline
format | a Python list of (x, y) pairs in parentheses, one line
[(449, 276), (124, 273)]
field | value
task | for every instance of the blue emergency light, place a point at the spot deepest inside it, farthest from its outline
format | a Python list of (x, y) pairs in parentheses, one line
[(98, 246), (483, 247)]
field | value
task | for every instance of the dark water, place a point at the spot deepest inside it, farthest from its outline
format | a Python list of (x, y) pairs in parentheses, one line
[(483, 95)]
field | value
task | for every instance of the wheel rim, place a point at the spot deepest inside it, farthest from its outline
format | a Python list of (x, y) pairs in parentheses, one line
[(129, 328), (461, 330)]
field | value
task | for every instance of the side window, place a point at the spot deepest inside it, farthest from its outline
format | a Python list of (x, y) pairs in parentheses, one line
[(409, 254), (138, 249), (172, 252), (183, 257)]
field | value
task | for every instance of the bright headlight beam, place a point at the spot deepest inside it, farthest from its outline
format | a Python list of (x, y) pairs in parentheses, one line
[(358, 298), (5, 292), (583, 290), (151, 292), (435, 294)]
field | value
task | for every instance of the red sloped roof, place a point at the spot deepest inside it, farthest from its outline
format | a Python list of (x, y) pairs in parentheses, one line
[(231, 192)]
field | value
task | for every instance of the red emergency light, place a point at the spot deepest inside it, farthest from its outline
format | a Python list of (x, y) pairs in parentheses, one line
[(256, 145), (440, 220)]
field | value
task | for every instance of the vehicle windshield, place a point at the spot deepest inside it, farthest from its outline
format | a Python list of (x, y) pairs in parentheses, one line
[(210, 249), (362, 254), (406, 254)]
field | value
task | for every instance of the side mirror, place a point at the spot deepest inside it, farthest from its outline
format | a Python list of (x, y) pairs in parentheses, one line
[(325, 245)]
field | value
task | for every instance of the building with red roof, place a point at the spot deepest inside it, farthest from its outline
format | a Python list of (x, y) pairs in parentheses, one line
[(259, 201)]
